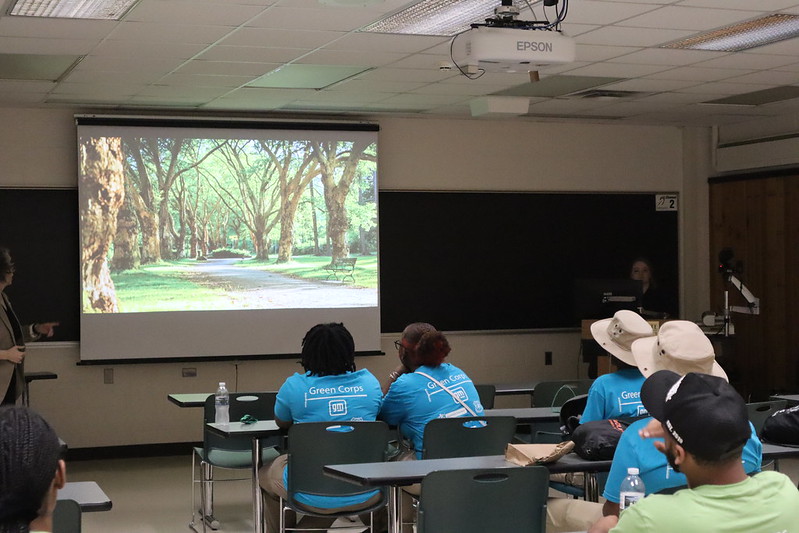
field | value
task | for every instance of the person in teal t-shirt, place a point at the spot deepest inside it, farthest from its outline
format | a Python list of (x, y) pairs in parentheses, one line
[(618, 394), (330, 389), (704, 424), (31, 471)]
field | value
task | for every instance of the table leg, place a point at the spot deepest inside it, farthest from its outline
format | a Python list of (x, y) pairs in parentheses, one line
[(394, 509), (257, 503), (591, 487)]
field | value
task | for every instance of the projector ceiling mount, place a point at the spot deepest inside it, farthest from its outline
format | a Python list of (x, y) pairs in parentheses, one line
[(503, 43)]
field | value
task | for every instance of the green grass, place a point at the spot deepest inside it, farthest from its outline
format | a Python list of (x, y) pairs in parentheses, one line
[(167, 286), (163, 287), (312, 267)]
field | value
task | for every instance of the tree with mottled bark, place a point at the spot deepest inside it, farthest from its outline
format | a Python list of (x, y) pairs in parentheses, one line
[(102, 192), (338, 163)]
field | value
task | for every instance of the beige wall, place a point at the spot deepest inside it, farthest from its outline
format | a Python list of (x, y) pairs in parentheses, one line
[(437, 154)]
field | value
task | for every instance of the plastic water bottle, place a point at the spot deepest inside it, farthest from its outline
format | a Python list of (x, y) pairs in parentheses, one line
[(222, 403), (632, 489)]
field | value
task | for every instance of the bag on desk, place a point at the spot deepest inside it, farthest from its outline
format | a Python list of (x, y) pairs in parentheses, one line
[(782, 427), (597, 440), (537, 454)]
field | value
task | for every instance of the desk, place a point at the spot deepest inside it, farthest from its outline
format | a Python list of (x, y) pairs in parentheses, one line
[(258, 430), (775, 452), (792, 399), (191, 399), (88, 494), (527, 415), (35, 376), (519, 387), (400, 473)]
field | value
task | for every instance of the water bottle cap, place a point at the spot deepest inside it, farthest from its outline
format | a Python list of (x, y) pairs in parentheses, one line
[(632, 471)]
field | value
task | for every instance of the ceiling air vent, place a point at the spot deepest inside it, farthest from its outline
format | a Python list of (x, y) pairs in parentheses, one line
[(605, 94)]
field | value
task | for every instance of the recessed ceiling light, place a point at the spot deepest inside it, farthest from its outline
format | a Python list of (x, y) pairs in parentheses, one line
[(438, 17), (77, 9), (743, 36)]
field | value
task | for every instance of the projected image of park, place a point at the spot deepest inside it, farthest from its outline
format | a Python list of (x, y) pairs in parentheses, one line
[(182, 223)]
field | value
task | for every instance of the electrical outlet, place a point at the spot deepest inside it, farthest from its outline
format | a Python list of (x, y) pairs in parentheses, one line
[(189, 372), (547, 358), (108, 376)]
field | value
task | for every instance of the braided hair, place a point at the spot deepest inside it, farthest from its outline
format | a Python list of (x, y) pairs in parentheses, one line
[(328, 350), (432, 348), (29, 455)]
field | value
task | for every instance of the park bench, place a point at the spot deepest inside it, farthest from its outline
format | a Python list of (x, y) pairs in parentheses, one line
[(345, 266)]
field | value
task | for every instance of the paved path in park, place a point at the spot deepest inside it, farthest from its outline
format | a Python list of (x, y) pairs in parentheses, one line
[(249, 287)]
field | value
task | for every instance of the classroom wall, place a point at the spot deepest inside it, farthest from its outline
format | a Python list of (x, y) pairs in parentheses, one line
[(415, 153)]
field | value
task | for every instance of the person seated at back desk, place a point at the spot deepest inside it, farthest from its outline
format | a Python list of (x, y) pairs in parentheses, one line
[(328, 358), (681, 347), (617, 395), (31, 471), (426, 387), (704, 423)]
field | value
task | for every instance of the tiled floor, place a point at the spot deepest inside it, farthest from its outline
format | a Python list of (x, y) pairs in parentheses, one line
[(153, 495)]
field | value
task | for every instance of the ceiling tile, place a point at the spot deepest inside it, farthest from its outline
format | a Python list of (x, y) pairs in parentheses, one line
[(686, 18), (305, 39), (620, 36)]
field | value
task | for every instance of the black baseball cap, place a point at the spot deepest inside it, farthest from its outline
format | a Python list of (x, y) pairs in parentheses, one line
[(703, 413)]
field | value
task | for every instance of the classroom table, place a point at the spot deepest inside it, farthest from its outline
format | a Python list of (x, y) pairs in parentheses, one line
[(401, 473), (792, 399), (190, 399), (775, 452), (518, 387), (527, 415), (256, 431), (35, 376), (88, 494)]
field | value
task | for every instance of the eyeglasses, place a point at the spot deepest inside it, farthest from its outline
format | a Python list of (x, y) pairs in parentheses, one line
[(398, 345)]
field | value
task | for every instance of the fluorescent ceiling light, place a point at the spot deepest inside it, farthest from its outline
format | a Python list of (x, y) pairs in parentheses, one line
[(743, 36), (439, 17), (77, 9)]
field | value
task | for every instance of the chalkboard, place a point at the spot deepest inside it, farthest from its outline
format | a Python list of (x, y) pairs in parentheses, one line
[(467, 261), (40, 228), (463, 261)]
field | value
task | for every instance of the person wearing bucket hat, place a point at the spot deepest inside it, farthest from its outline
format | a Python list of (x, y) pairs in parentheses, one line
[(618, 394), (705, 425), (682, 347)]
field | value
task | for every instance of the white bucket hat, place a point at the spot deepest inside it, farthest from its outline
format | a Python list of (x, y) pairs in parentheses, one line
[(680, 346), (616, 335)]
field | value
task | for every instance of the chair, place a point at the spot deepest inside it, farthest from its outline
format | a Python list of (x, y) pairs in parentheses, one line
[(555, 393), (230, 453), (67, 517), (467, 436), (760, 411), (476, 501), (486, 394), (312, 445)]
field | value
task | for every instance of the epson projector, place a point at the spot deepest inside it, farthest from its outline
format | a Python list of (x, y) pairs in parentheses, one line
[(511, 49)]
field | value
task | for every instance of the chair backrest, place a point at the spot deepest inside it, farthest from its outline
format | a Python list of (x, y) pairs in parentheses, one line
[(476, 501), (573, 407), (260, 405), (467, 436), (486, 394), (760, 411), (315, 444), (66, 517), (556, 393)]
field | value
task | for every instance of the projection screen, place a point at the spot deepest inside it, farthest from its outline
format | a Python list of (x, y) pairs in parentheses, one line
[(211, 238)]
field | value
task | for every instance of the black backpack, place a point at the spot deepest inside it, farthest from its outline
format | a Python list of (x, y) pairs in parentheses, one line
[(597, 440), (782, 427)]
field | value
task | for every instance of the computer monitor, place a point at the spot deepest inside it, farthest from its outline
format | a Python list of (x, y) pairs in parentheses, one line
[(601, 298)]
